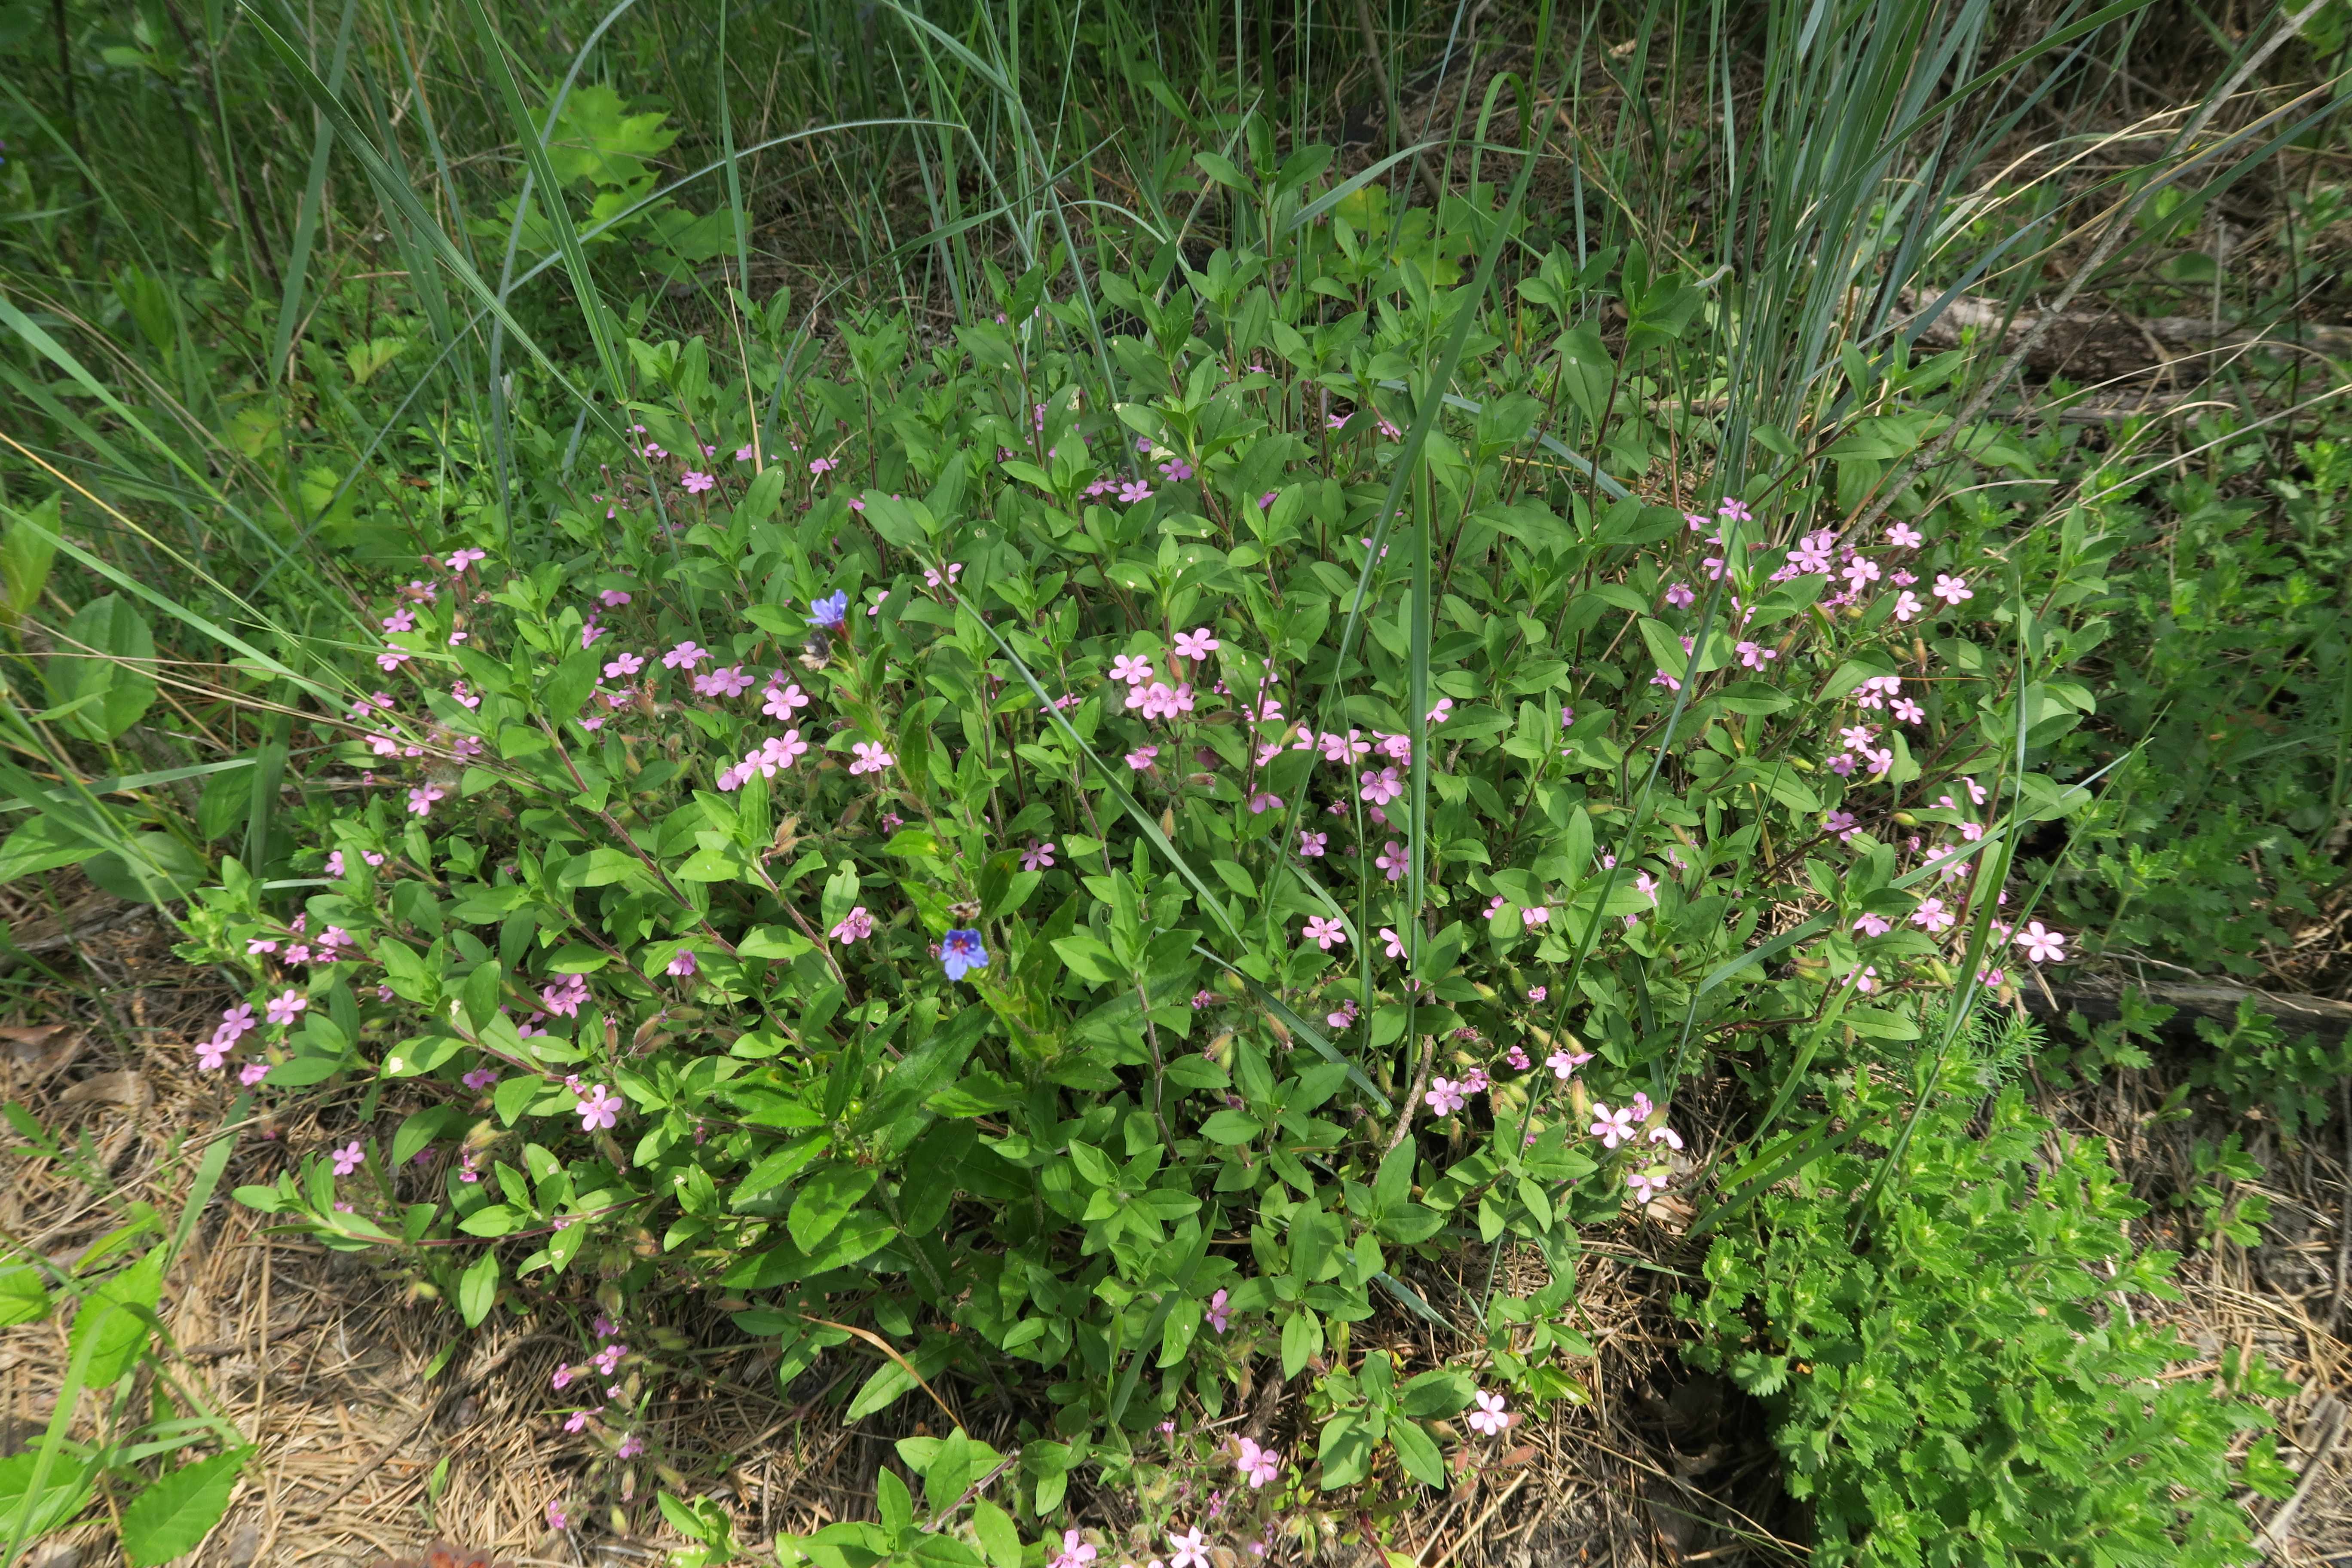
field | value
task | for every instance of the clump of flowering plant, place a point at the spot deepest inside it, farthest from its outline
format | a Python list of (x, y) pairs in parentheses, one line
[(1100, 899)]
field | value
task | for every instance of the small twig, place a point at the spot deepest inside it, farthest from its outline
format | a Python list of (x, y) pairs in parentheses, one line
[(1413, 1097)]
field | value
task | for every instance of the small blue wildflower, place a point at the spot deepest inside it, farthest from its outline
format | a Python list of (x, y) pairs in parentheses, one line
[(961, 952), (832, 611)]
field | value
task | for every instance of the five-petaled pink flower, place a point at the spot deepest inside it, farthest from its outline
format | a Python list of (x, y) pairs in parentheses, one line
[(1393, 860), (2042, 945), (1196, 645), (1219, 1314), (1038, 857), (1189, 1550), (1133, 670), (1311, 844), (1563, 1062), (1324, 933), (1142, 757), (1491, 1417), (1612, 1127), (870, 758), (1258, 1466), (1077, 1551), (1644, 1185), (1933, 917), (283, 1009), (1445, 1097), (854, 926), (696, 482), (685, 656), (349, 1158), (465, 558), (598, 1109), (1394, 944), (1903, 536), (623, 664), (1381, 788), (1952, 590)]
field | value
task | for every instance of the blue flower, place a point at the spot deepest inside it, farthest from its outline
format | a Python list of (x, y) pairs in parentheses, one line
[(829, 612), (961, 952)]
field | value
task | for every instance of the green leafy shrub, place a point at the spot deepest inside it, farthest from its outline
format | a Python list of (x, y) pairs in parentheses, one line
[(1966, 1383)]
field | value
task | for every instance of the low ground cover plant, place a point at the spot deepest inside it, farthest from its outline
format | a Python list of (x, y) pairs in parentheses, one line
[(1284, 763), (1088, 881)]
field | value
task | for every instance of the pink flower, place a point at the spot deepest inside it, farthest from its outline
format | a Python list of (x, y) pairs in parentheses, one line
[(1907, 604), (783, 700), (870, 759), (631, 1446), (1142, 757), (1907, 711), (1134, 490), (1258, 1466), (1645, 1185), (1445, 1097), (612, 598), (1612, 1127), (283, 1009), (1679, 595), (1311, 844), (1177, 469), (854, 926), (685, 656), (481, 1079), (393, 659), (1754, 655), (1539, 914), (1189, 1550), (822, 464), (1324, 933), (1952, 590), (465, 558), (1564, 1062), (1380, 788), (235, 1022), (555, 1517), (1038, 857), (401, 620), (1491, 1415), (598, 1110), (1394, 944), (252, 1073), (682, 964), (1263, 801), (1196, 645), (563, 996), (349, 1158), (696, 482), (730, 681), (1903, 536), (1075, 1552), (2042, 945), (1442, 712), (1219, 1314), (1869, 925), (1393, 860), (1933, 917)]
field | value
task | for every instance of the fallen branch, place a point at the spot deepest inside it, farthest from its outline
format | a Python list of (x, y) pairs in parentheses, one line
[(2100, 997)]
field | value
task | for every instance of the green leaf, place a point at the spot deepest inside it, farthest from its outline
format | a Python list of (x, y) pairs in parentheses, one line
[(824, 1201), (109, 1324), (62, 1495), (1417, 1451), (478, 1288), (107, 654), (23, 1297), (171, 1517)]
